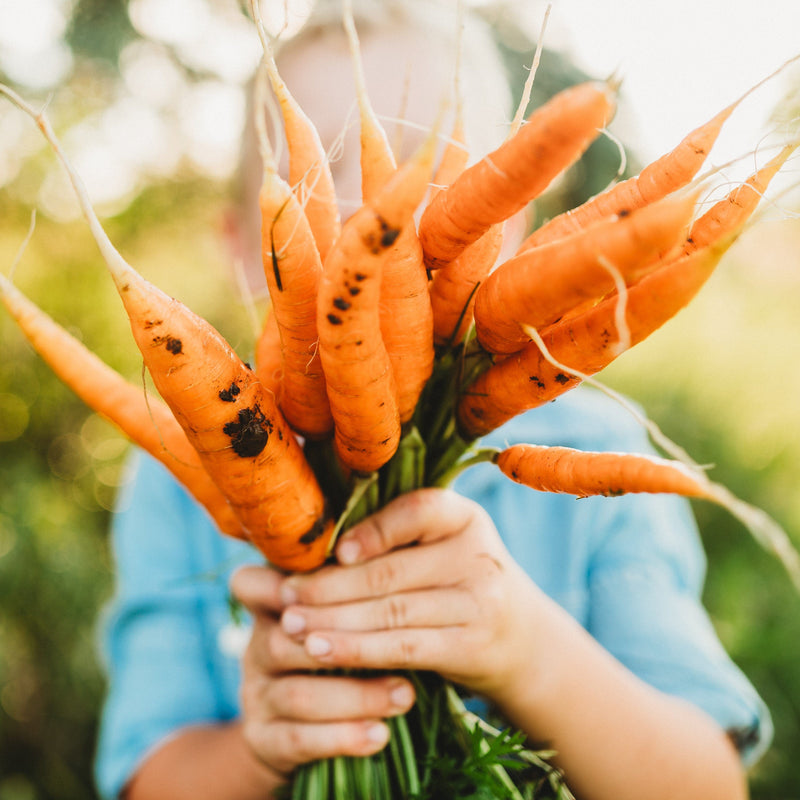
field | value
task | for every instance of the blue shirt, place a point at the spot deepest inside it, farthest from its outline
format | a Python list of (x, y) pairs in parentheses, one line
[(629, 569)]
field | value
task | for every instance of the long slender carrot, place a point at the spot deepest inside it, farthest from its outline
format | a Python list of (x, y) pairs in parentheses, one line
[(505, 181), (234, 423), (586, 473), (662, 177), (733, 211), (377, 160), (585, 344), (406, 318), (293, 271), (537, 287), (309, 169), (143, 418), (361, 385)]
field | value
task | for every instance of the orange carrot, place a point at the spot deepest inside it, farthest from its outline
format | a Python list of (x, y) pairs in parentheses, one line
[(660, 178), (361, 385), (377, 160), (293, 271), (539, 286), (504, 182), (452, 288), (584, 473), (309, 169), (732, 212), (268, 356), (143, 418), (234, 423), (585, 344), (406, 319)]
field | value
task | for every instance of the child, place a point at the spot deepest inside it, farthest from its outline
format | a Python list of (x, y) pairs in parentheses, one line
[(580, 621)]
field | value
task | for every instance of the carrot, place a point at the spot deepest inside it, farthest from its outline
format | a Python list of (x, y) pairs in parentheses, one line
[(293, 271), (662, 177), (537, 287), (452, 288), (309, 169), (585, 473), (732, 212), (585, 343), (503, 182), (242, 439), (377, 160), (360, 381), (143, 418), (406, 318), (268, 356)]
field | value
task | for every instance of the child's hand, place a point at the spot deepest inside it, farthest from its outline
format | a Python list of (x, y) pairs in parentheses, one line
[(290, 717), (426, 583)]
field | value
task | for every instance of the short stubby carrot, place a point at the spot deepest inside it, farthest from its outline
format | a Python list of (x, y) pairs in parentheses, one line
[(293, 270), (143, 418), (581, 345), (587, 473), (361, 385), (538, 287), (663, 176), (505, 181)]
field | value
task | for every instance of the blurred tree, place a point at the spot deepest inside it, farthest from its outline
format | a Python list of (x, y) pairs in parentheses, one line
[(99, 29)]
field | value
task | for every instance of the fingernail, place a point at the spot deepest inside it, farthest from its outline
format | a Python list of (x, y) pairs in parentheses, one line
[(292, 622), (401, 696), (317, 646), (378, 733), (349, 551), (288, 594)]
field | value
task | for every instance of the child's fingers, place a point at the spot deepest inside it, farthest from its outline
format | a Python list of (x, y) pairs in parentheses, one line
[(422, 609), (402, 649), (284, 744), (272, 651), (408, 569), (257, 589), (328, 698), (422, 516)]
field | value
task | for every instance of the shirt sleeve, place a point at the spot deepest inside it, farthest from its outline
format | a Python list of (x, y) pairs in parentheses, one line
[(161, 664), (645, 583), (630, 569)]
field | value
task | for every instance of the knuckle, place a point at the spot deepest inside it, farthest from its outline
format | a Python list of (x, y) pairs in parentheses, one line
[(396, 612), (406, 652), (381, 576)]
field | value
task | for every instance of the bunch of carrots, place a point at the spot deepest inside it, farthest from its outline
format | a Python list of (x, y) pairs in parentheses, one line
[(390, 349)]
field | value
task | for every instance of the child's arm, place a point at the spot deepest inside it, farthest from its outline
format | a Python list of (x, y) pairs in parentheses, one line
[(458, 604)]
